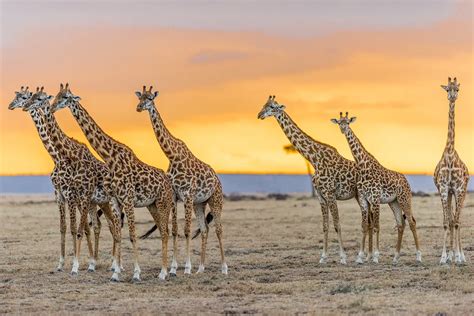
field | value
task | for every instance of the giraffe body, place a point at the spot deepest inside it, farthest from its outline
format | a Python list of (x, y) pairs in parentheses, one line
[(451, 178), (194, 182), (378, 185), (134, 183), (334, 178)]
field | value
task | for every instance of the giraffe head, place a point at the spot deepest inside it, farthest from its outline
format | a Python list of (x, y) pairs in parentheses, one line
[(146, 98), (64, 98), (452, 89), (271, 108), (21, 98), (39, 100), (344, 121)]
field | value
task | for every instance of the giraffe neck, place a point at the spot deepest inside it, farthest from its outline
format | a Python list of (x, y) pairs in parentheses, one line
[(450, 141), (305, 145), (359, 153), (63, 143), (170, 145), (99, 140), (42, 129)]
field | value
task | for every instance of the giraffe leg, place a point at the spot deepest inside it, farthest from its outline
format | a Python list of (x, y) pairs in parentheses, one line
[(371, 232), (62, 229), (376, 230), (325, 212), (174, 231), (73, 226), (337, 227), (129, 212), (459, 255), (446, 203), (160, 212), (215, 204), (116, 216), (364, 206), (199, 211), (84, 229), (96, 224), (405, 204), (397, 213), (188, 207)]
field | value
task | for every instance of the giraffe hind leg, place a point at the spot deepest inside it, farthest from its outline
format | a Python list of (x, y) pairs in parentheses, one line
[(215, 204)]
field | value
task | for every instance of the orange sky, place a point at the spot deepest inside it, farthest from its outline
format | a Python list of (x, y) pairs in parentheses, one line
[(213, 80)]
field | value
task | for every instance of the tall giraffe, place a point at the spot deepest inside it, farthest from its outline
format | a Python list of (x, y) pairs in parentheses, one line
[(451, 178), (135, 184), (378, 185), (334, 177), (57, 174), (89, 183), (194, 182)]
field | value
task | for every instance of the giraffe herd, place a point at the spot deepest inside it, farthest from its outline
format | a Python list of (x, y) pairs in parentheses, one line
[(121, 182)]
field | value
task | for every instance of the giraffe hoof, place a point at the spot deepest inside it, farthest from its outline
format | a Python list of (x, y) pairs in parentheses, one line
[(187, 270), (114, 278), (74, 273), (360, 260), (59, 269), (200, 269), (418, 256), (375, 259), (343, 260), (323, 260), (224, 269), (173, 275), (136, 279)]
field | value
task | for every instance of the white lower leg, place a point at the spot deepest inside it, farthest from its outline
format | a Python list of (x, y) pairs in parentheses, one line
[(174, 266), (224, 268), (60, 266), (163, 273), (396, 258), (91, 267), (418, 256), (75, 266), (116, 275), (360, 257), (375, 257), (136, 272), (323, 258), (187, 266), (201, 268)]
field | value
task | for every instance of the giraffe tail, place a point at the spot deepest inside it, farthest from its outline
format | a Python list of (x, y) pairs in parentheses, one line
[(209, 218), (149, 232)]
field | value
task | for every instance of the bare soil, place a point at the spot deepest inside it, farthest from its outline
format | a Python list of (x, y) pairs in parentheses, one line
[(272, 248)]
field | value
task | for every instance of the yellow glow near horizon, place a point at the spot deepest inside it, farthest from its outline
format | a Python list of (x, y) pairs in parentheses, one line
[(212, 85)]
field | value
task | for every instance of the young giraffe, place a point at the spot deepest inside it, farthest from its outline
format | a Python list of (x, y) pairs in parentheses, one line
[(377, 185), (451, 178), (89, 183), (194, 182), (334, 177), (135, 184)]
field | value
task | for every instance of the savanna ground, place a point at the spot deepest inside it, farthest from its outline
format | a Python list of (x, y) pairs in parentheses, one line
[(272, 249)]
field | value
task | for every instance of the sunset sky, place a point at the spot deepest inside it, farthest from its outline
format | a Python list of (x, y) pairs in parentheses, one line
[(215, 63)]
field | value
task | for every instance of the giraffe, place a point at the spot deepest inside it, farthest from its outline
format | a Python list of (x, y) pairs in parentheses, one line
[(135, 184), (194, 182), (451, 178), (87, 186), (378, 185), (334, 178)]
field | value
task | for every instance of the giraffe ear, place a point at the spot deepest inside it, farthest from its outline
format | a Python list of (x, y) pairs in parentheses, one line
[(76, 98), (444, 87), (156, 94), (352, 119), (49, 97), (334, 121), (138, 94), (282, 107)]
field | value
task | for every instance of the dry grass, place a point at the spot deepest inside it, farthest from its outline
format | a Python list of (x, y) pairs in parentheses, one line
[(272, 249)]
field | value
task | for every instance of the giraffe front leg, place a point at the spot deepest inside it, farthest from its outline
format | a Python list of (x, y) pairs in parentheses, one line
[(397, 213), (364, 208), (199, 211), (73, 227), (62, 229), (459, 257), (129, 212), (96, 224), (188, 206), (376, 228), (215, 204), (174, 230), (337, 228), (325, 212)]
